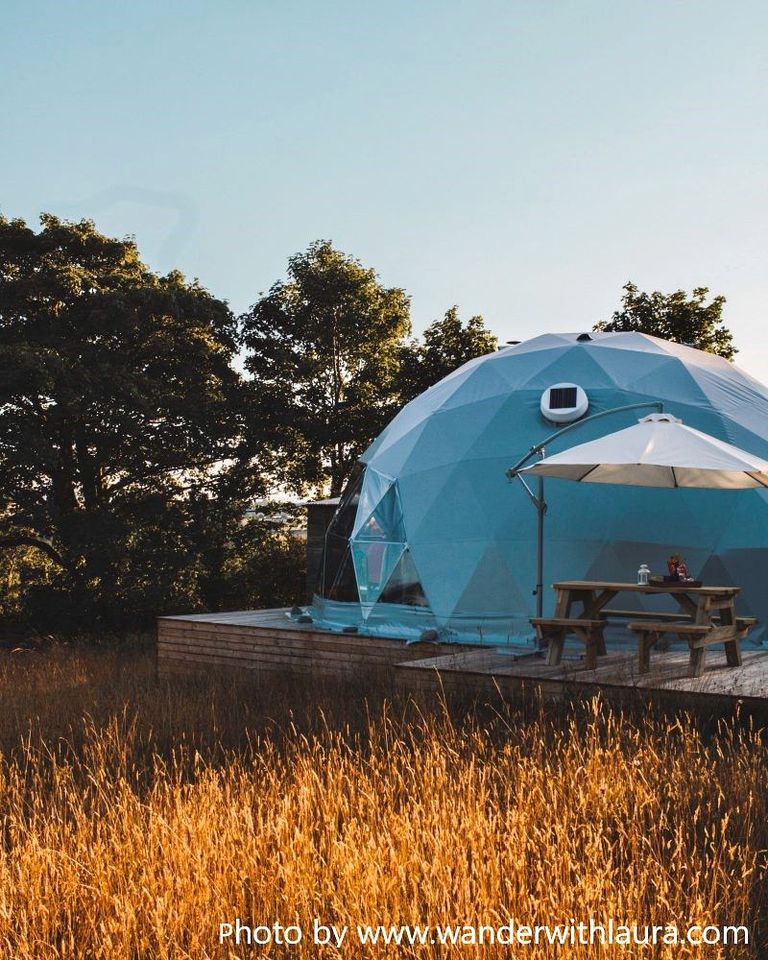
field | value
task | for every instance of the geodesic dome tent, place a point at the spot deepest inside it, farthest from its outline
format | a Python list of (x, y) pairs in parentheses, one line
[(431, 534)]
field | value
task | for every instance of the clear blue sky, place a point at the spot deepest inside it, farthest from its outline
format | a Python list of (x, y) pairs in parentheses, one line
[(520, 159)]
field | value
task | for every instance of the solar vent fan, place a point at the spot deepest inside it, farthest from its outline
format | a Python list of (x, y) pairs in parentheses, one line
[(562, 398), (564, 403)]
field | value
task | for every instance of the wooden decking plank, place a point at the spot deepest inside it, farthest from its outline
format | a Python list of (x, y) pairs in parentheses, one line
[(669, 670), (271, 618), (484, 662), (309, 656), (213, 632), (233, 630), (273, 639), (273, 626), (750, 679), (260, 614), (277, 619), (394, 653), (332, 664), (259, 645)]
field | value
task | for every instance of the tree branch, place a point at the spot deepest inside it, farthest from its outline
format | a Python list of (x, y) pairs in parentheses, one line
[(29, 540)]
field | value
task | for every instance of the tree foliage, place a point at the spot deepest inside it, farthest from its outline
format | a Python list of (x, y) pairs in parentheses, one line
[(324, 353), (116, 393), (674, 316), (446, 345)]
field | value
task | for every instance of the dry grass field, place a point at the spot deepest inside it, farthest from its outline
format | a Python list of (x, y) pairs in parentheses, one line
[(137, 816)]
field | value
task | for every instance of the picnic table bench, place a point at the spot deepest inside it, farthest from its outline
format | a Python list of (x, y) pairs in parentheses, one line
[(699, 637)]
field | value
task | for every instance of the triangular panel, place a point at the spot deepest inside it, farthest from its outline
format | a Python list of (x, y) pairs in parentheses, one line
[(344, 586), (404, 584), (493, 588), (374, 487), (344, 519), (446, 569), (374, 562), (385, 522)]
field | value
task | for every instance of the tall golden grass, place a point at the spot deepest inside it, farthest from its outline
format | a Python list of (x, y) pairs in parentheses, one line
[(137, 816)]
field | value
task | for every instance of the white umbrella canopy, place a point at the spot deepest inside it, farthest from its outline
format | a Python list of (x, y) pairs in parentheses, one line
[(658, 451)]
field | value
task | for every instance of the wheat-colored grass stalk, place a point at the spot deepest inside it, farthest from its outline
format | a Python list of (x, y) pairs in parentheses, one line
[(136, 817)]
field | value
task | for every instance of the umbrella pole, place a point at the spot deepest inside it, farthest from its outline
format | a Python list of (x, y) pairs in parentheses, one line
[(542, 509), (538, 498)]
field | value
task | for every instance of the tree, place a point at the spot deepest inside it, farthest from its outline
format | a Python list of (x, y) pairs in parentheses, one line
[(674, 316), (324, 351), (447, 344), (116, 394)]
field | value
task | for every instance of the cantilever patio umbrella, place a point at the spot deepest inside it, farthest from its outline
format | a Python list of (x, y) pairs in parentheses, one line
[(658, 451)]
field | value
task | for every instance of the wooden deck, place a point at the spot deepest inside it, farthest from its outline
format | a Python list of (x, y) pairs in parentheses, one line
[(616, 676), (268, 640)]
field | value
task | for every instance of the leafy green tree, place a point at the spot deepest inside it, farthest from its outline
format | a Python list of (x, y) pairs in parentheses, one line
[(246, 557), (263, 565), (674, 316), (22, 569), (116, 395), (324, 351), (445, 346)]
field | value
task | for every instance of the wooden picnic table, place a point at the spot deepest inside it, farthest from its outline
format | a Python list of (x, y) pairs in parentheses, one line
[(699, 604), (707, 616)]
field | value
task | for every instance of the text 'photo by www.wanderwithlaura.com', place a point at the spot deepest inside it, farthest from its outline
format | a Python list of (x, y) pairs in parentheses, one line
[(571, 932)]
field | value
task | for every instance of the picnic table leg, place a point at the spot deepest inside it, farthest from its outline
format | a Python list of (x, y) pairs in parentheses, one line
[(703, 613), (697, 655), (690, 608), (556, 639), (563, 601), (594, 602), (601, 647), (728, 615), (648, 640), (591, 640), (590, 658), (732, 647), (592, 607), (733, 652)]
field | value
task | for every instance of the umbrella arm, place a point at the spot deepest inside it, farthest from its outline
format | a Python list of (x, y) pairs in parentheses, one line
[(514, 471), (538, 502)]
